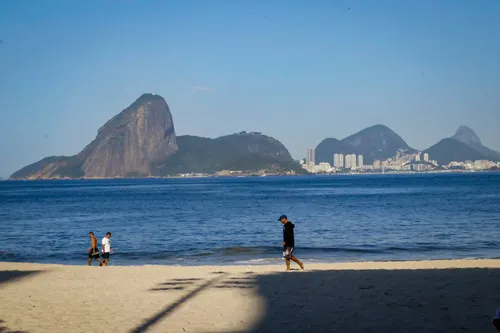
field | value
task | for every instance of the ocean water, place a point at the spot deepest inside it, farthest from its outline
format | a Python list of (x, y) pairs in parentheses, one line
[(234, 220)]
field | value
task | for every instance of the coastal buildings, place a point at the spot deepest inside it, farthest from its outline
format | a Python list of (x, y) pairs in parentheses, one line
[(311, 156), (350, 161), (401, 162), (338, 161)]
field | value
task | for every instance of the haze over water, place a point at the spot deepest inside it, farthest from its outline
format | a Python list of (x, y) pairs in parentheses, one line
[(234, 220)]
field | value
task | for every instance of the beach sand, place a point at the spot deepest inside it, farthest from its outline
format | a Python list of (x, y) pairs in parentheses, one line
[(424, 296)]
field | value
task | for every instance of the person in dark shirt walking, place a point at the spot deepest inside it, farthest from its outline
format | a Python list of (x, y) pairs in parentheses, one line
[(289, 242)]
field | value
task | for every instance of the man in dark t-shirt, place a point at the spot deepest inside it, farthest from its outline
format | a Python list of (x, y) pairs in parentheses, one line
[(289, 242)]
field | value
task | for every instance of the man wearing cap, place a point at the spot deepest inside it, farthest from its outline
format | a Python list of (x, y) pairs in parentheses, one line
[(289, 242)]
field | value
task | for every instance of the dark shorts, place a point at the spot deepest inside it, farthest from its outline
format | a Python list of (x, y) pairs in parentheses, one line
[(287, 252), (94, 254), (105, 255)]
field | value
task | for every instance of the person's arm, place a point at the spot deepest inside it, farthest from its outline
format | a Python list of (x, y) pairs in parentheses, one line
[(103, 245), (285, 235)]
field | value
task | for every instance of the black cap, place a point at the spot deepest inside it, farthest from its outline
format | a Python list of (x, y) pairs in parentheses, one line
[(282, 217)]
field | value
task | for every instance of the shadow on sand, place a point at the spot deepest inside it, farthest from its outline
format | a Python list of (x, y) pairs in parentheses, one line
[(5, 329), (177, 284), (11, 276), (427, 300)]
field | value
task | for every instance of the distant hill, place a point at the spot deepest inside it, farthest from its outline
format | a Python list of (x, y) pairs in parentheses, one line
[(329, 146), (140, 141), (448, 150), (126, 145), (376, 142), (242, 151), (464, 145), (470, 138)]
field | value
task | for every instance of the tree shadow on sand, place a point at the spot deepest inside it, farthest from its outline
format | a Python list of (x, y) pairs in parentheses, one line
[(5, 329), (11, 276), (423, 300), (444, 300), (177, 284)]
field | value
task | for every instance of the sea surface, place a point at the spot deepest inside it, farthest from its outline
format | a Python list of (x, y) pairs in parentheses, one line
[(234, 220)]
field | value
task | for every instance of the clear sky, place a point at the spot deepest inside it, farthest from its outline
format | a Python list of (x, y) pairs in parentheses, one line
[(299, 71)]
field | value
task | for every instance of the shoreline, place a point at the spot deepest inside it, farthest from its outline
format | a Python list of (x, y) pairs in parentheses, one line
[(343, 265), (410, 296), (268, 175), (264, 262)]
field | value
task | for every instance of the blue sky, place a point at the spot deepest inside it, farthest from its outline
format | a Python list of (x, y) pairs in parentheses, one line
[(296, 70)]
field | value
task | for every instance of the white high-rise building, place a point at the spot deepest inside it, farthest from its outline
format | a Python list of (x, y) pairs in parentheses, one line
[(426, 157), (310, 157), (417, 158), (360, 161), (350, 161), (353, 161), (338, 160)]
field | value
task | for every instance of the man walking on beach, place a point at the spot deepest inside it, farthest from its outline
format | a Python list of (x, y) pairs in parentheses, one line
[(93, 250), (106, 248), (289, 242)]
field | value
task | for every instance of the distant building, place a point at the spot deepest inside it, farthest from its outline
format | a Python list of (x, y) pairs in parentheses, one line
[(311, 156), (223, 173), (324, 167), (377, 165), (360, 161), (350, 161), (353, 161), (426, 157), (338, 161), (417, 158)]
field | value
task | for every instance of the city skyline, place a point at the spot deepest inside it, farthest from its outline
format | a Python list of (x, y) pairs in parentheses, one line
[(225, 67), (401, 162)]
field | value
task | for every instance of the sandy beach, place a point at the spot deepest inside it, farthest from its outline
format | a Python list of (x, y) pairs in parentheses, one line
[(424, 296)]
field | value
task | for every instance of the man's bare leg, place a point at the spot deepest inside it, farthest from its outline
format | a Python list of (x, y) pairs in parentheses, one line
[(100, 262), (106, 262), (287, 264), (90, 262), (298, 262)]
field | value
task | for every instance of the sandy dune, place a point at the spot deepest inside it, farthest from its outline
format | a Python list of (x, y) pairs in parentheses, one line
[(426, 296)]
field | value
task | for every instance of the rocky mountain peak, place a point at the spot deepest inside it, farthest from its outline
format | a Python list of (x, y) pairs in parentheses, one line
[(466, 135)]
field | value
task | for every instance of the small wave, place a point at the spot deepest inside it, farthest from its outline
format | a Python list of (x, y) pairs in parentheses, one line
[(236, 250)]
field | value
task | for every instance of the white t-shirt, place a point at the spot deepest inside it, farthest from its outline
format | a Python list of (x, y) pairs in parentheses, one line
[(106, 242)]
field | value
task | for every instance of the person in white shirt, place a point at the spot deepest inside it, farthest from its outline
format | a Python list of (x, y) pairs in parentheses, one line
[(106, 248)]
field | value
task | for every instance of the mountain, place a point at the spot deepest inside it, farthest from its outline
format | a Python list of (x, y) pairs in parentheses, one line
[(325, 149), (464, 145), (140, 141), (242, 151), (376, 142), (125, 146), (469, 137), (449, 149)]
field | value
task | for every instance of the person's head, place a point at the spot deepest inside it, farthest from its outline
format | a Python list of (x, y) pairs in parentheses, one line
[(108, 235), (91, 234), (283, 219)]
